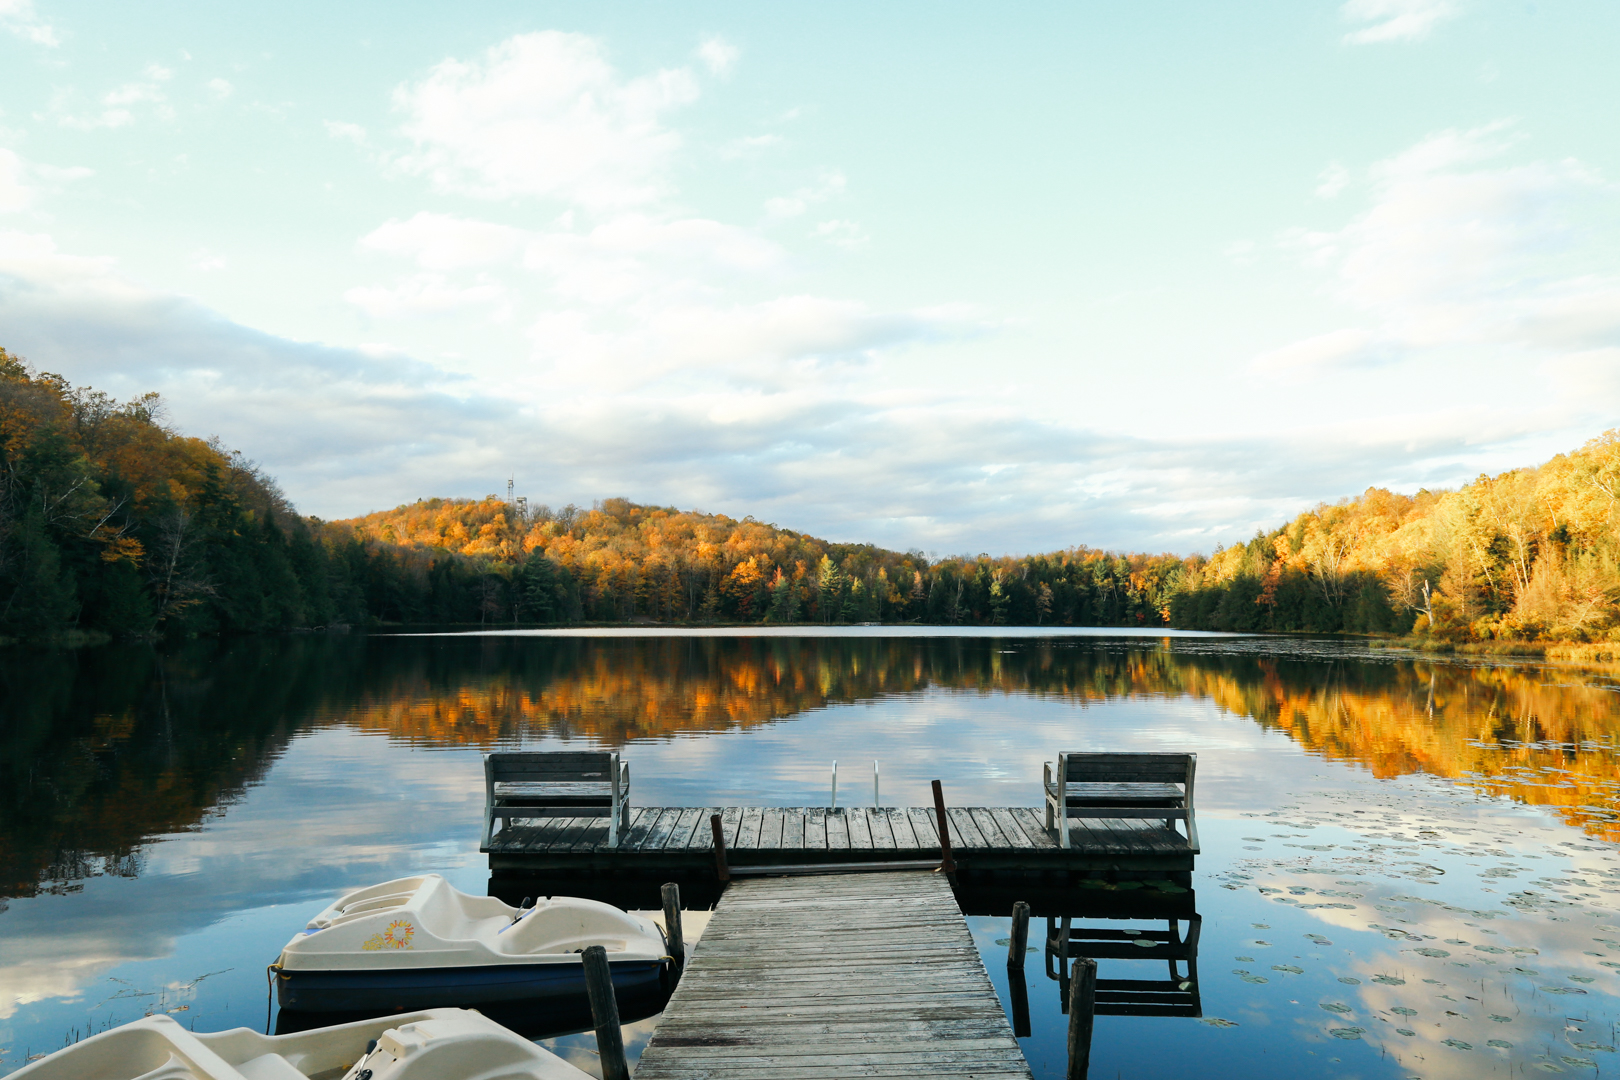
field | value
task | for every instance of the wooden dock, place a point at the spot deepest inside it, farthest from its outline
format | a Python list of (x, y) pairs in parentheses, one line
[(803, 978), (676, 840)]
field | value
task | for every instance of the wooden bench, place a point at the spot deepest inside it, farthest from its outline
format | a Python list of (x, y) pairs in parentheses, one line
[(558, 783), (1139, 786)]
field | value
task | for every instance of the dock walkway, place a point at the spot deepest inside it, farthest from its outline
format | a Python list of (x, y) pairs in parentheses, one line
[(829, 976), (679, 839)]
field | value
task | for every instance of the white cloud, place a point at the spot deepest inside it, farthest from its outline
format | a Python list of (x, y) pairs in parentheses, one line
[(839, 233), (15, 194), (774, 414), (1394, 20), (719, 56), (751, 145), (19, 17), (829, 186), (428, 294), (340, 129), (206, 261), (1346, 348), (543, 115), (1241, 252), (1332, 181), (220, 88), (1460, 250), (119, 105), (446, 242)]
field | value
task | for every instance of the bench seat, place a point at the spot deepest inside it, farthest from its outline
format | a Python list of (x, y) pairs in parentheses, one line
[(1145, 786), (547, 784)]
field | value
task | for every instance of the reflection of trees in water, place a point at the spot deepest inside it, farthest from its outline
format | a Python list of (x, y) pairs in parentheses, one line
[(101, 750)]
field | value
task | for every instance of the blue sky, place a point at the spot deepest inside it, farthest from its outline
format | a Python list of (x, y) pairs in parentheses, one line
[(1143, 276)]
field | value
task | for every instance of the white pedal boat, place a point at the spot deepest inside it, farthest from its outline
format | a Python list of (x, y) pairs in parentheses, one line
[(420, 943), (437, 1044)]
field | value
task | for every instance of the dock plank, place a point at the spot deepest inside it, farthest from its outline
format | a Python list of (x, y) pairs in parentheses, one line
[(925, 823), (835, 976), (748, 831), (815, 829), (838, 831), (793, 829), (900, 825), (860, 829), (770, 829)]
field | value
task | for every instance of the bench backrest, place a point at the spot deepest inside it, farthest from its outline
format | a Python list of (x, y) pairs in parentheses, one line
[(1166, 768), (540, 765)]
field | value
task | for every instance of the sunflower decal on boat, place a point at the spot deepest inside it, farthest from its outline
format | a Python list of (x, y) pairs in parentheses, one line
[(397, 936)]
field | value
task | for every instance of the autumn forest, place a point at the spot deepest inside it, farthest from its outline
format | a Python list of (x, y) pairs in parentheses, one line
[(112, 523)]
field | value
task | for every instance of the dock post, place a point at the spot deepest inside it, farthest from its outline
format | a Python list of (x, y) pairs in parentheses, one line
[(605, 1014), (875, 800), (946, 863), (1082, 1008), (834, 804), (672, 924), (1020, 936), (720, 866)]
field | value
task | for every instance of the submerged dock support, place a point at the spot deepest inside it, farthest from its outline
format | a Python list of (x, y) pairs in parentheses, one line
[(605, 1014), (721, 869), (1082, 1010), (671, 895), (1019, 941), (946, 863)]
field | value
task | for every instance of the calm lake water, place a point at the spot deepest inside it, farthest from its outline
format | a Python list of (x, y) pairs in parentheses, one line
[(1409, 869)]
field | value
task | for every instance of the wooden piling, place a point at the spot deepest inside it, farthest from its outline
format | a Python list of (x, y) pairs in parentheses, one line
[(946, 863), (605, 1014), (1019, 941), (1082, 1009), (720, 867), (672, 924)]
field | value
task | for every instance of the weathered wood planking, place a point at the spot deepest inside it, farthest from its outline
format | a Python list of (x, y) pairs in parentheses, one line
[(659, 839), (834, 976)]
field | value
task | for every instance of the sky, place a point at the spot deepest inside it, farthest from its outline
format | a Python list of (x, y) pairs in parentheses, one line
[(952, 277)]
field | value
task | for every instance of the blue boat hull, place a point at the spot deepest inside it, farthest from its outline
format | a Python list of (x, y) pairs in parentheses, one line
[(384, 990)]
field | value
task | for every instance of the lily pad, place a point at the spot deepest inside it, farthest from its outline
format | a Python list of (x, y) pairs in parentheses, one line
[(1346, 1033), (1216, 1021), (1432, 952), (1402, 1010), (1389, 980), (1335, 1007), (1501, 1044), (1458, 1044), (1500, 1019), (1290, 968)]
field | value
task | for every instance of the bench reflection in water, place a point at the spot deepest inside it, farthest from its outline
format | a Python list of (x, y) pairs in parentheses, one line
[(1112, 930)]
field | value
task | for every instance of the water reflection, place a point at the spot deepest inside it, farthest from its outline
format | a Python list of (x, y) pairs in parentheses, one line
[(1405, 925), (105, 749), (1170, 937)]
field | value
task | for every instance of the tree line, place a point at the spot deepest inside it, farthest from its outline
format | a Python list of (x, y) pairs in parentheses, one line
[(1529, 555), (113, 523)]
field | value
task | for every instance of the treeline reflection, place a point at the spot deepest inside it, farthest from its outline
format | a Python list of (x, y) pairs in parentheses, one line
[(103, 750)]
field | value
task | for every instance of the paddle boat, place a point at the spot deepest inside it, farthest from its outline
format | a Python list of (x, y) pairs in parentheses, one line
[(420, 943), (429, 1045)]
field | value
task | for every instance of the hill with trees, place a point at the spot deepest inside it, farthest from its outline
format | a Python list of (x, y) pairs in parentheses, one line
[(1528, 555), (112, 523)]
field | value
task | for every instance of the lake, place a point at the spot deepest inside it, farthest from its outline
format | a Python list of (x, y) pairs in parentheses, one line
[(1409, 862)]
